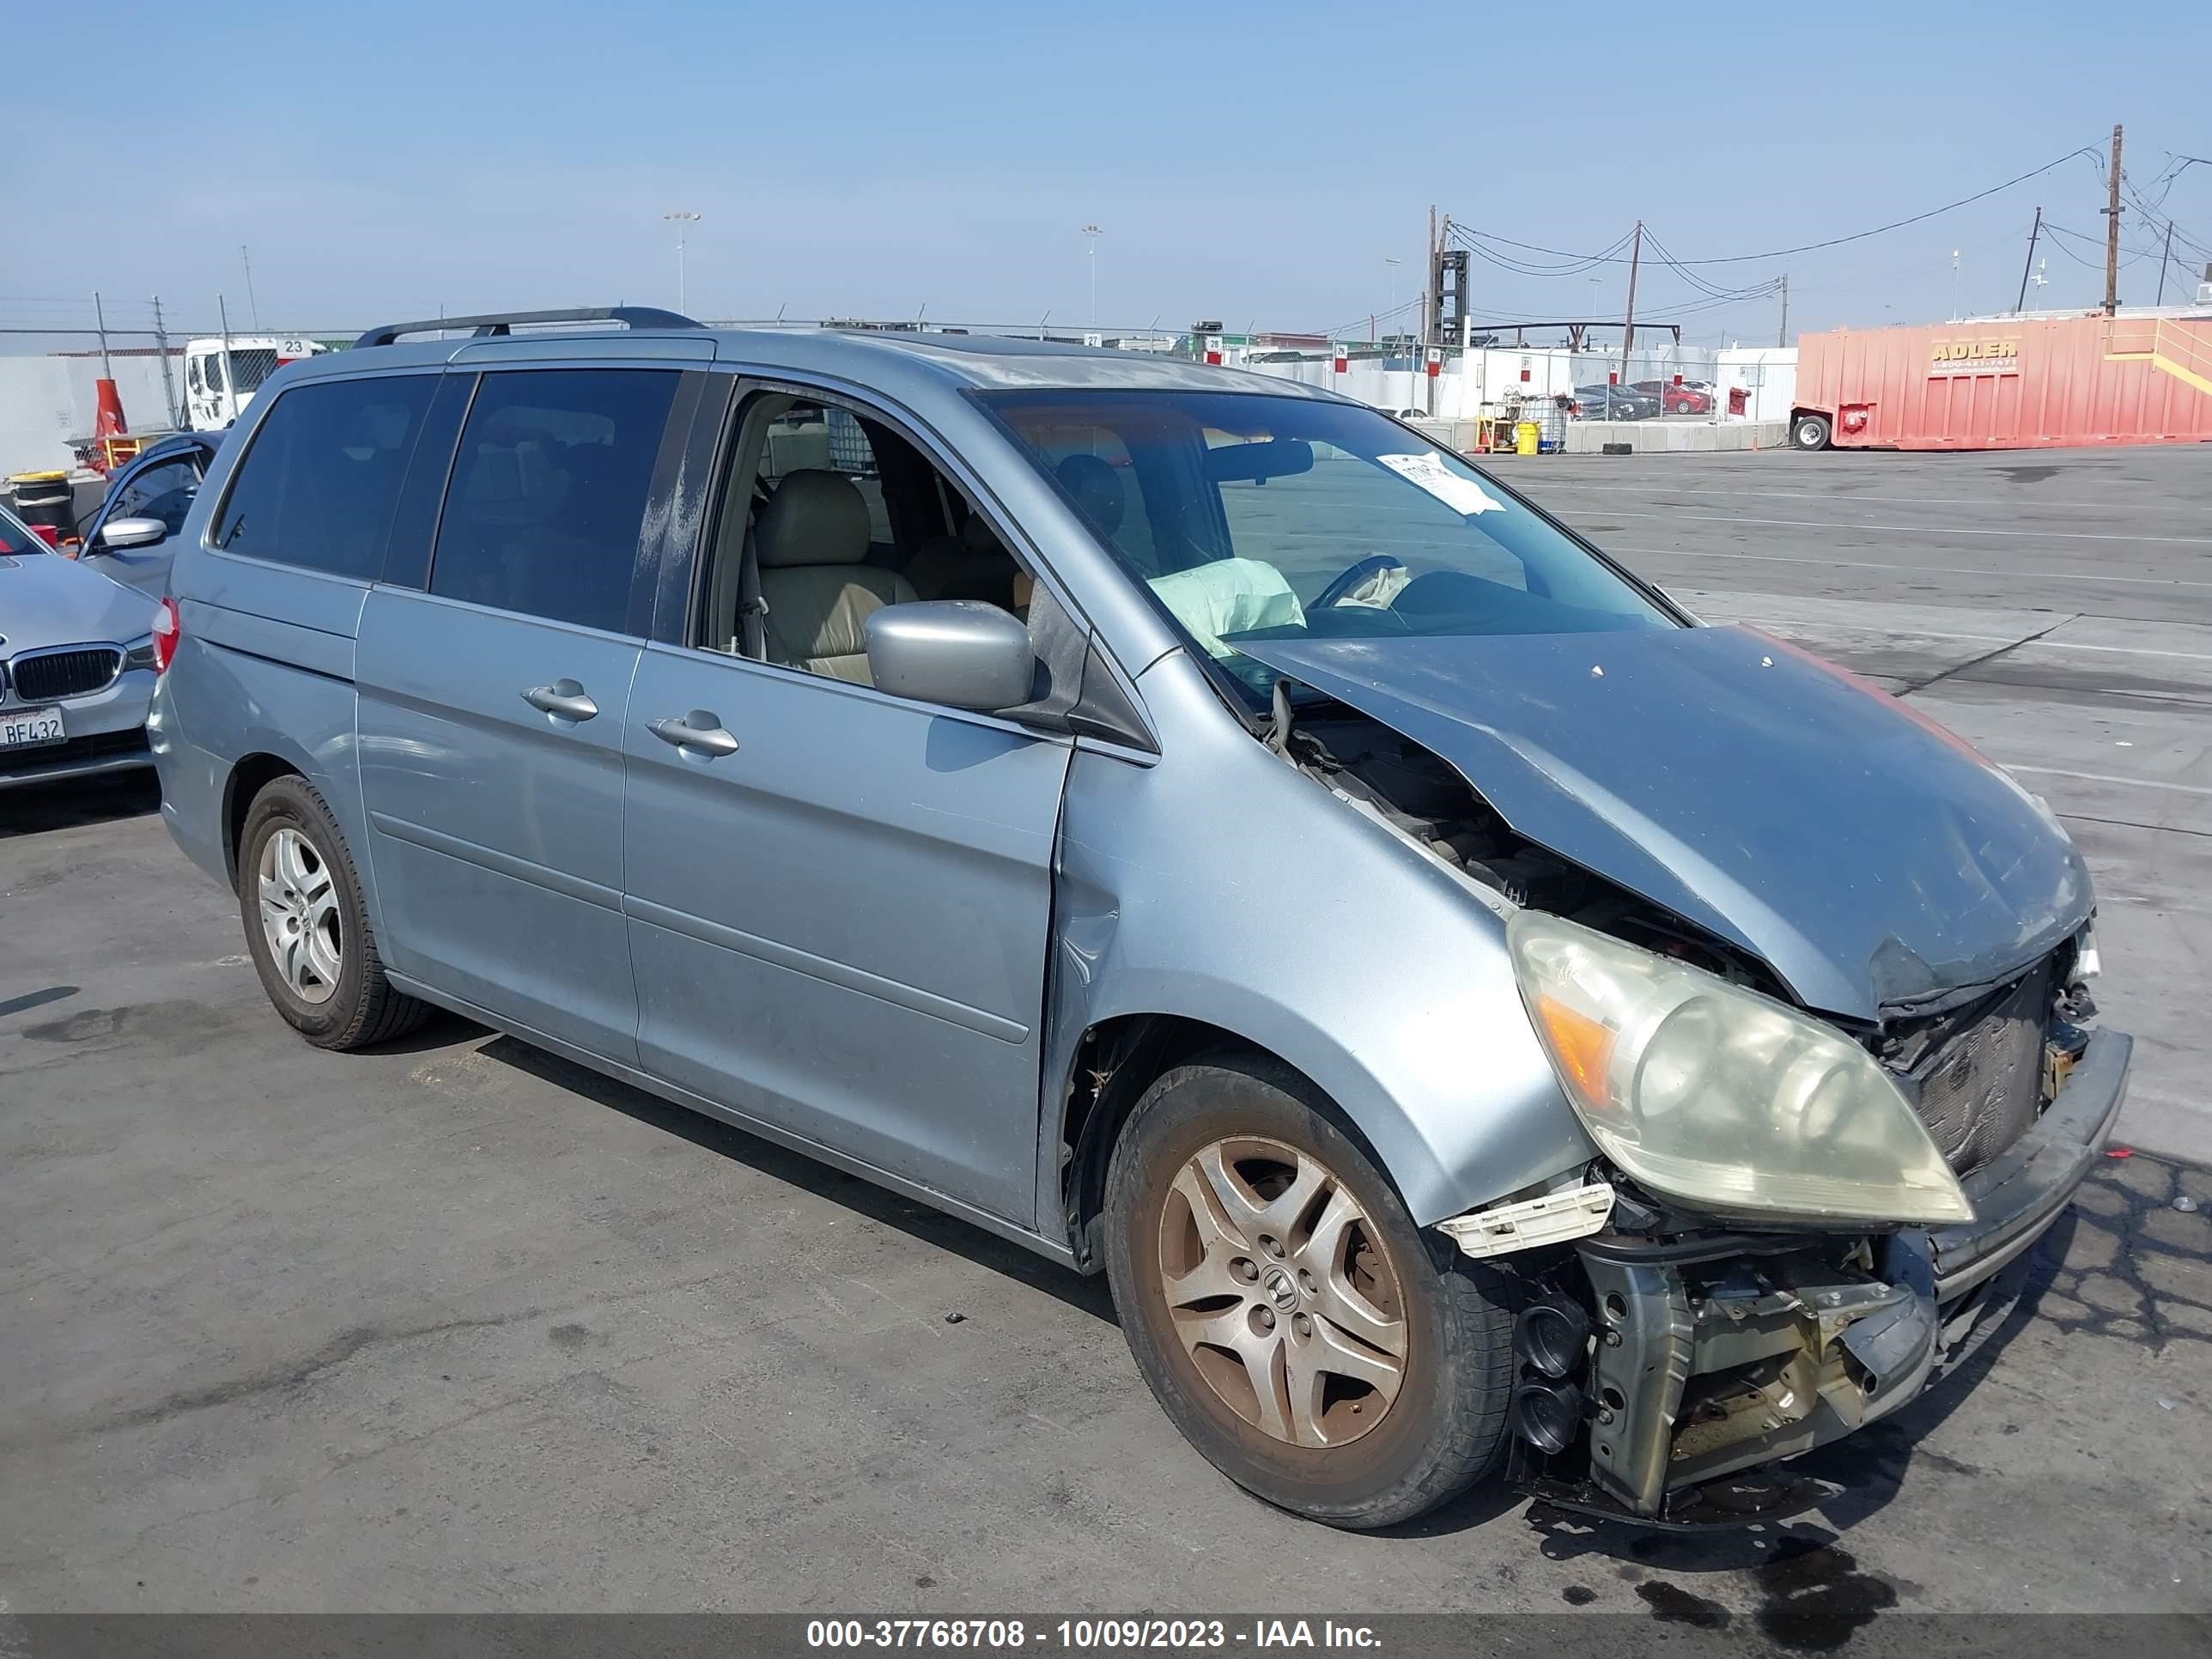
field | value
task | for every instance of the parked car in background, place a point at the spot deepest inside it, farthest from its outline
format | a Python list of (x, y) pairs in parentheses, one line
[(1611, 402), (1677, 397), (132, 536), (1181, 821), (77, 664)]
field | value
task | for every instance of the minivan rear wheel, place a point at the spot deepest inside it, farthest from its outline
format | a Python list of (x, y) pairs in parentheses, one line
[(306, 927), (1291, 1319)]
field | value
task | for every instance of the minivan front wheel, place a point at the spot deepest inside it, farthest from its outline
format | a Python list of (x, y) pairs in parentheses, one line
[(1287, 1313), (306, 927)]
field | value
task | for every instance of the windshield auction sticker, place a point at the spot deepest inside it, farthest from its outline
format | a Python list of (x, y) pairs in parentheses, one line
[(1428, 470)]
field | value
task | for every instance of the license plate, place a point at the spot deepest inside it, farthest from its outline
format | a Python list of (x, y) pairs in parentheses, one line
[(31, 728)]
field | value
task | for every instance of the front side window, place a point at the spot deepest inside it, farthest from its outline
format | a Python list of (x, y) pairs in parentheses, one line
[(318, 486), (1265, 516), (547, 501), (803, 549), (163, 492)]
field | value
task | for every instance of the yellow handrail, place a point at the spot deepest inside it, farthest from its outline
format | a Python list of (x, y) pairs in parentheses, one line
[(2182, 345)]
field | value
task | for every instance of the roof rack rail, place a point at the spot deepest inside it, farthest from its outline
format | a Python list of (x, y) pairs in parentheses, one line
[(503, 322)]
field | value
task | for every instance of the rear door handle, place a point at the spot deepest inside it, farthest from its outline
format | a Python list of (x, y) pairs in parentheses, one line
[(565, 698), (701, 731)]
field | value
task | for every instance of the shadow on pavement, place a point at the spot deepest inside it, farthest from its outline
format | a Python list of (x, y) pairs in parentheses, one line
[(864, 1197), (36, 809)]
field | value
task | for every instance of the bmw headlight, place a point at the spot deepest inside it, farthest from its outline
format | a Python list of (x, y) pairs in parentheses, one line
[(139, 653), (1719, 1096)]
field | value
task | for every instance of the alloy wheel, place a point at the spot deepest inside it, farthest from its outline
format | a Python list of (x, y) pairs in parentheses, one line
[(300, 914), (1281, 1292)]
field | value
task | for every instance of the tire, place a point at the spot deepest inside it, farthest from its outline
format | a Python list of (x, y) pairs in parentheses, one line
[(314, 949), (1809, 432), (1362, 1450)]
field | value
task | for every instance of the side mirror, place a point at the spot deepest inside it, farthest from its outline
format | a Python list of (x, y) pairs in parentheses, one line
[(118, 534), (962, 652)]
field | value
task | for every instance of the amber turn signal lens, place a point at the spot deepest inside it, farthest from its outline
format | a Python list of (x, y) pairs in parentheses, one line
[(1582, 1045)]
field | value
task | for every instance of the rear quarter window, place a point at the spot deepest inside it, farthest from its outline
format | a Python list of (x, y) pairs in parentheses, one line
[(317, 486)]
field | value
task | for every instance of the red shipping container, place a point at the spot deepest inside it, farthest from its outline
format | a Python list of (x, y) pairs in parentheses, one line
[(2019, 383)]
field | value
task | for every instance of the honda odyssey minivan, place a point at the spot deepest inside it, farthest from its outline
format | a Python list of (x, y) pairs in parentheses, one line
[(1483, 1023)]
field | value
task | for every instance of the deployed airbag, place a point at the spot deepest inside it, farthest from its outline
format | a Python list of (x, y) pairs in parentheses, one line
[(1230, 596)]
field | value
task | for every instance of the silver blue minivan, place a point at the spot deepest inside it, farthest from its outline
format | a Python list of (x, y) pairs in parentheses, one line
[(1484, 1023)]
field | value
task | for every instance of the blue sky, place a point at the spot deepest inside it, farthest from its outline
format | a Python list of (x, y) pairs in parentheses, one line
[(1255, 164)]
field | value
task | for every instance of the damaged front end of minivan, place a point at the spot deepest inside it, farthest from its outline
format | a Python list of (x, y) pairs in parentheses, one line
[(1827, 1025)]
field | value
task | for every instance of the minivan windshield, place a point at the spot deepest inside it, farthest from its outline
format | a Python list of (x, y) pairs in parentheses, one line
[(1252, 516)]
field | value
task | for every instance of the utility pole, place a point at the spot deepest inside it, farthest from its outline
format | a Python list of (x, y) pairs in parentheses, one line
[(229, 397), (100, 318), (162, 345), (253, 304), (1429, 312), (1429, 284), (2164, 259), (1628, 322), (2112, 228), (1782, 335), (2028, 264)]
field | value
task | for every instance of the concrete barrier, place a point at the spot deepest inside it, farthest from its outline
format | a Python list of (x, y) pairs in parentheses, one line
[(1657, 437)]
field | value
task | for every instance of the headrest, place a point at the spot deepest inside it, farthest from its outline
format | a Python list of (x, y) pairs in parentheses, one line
[(814, 517), (976, 535), (1096, 489)]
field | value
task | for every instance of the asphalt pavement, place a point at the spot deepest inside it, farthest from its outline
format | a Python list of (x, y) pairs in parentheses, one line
[(458, 1326)]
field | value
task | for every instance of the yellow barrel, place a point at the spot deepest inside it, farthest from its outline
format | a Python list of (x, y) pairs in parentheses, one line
[(1524, 438)]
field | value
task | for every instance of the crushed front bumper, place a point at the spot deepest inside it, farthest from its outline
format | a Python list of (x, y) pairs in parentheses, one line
[(1716, 1357)]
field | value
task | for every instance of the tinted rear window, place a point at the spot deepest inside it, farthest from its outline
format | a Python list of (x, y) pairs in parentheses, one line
[(317, 488), (548, 495)]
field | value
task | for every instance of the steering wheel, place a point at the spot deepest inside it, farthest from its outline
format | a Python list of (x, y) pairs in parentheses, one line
[(1373, 565)]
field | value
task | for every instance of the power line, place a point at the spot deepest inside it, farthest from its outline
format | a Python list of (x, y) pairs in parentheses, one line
[(1609, 256), (1344, 331), (1724, 302), (1578, 263), (2151, 210), (1529, 268), (2136, 256), (1690, 276)]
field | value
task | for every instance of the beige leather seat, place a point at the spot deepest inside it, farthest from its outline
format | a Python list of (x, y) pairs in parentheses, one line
[(810, 541)]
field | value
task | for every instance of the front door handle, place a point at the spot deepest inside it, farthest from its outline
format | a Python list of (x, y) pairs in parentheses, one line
[(701, 731), (564, 698)]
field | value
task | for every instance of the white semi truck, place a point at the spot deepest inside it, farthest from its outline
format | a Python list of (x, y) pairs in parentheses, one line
[(221, 373)]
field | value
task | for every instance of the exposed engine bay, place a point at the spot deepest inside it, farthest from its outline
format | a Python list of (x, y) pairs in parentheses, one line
[(1411, 789), (1980, 1064), (1664, 1357)]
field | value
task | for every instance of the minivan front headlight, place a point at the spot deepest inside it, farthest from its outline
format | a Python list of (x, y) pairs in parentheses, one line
[(1719, 1096)]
